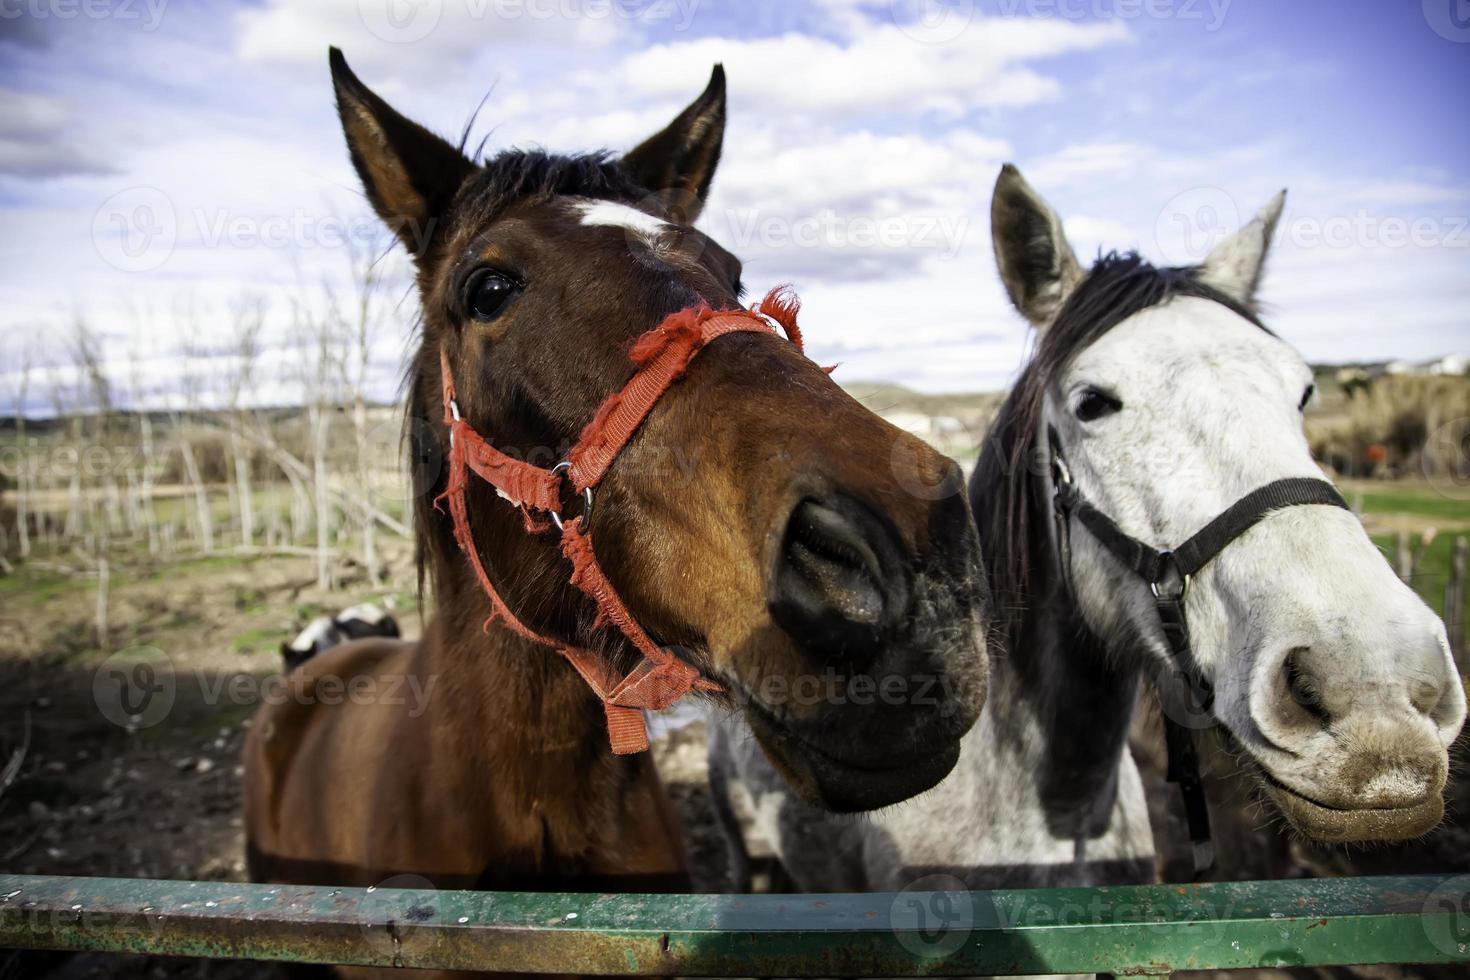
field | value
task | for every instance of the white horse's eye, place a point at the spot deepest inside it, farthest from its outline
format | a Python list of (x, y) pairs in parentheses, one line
[(1307, 397), (1095, 404)]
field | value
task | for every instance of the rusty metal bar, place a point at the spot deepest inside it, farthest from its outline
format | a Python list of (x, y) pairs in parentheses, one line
[(1127, 931)]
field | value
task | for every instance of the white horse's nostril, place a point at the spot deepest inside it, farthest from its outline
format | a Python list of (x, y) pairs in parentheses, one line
[(1303, 687)]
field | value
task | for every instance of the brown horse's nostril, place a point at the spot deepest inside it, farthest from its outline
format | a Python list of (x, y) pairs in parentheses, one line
[(838, 582)]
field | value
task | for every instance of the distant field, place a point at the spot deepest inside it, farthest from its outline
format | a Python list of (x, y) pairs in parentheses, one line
[(1415, 509), (1418, 501)]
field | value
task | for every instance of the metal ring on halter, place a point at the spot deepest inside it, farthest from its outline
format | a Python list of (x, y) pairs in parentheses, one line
[(454, 415), (565, 466), (1063, 472), (1169, 558)]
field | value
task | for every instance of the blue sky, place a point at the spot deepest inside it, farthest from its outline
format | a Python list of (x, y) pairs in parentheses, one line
[(161, 160)]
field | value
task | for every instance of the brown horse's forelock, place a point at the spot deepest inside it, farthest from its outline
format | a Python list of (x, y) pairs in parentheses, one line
[(510, 177), (1006, 492)]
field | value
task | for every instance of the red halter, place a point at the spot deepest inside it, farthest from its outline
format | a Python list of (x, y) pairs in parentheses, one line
[(660, 357)]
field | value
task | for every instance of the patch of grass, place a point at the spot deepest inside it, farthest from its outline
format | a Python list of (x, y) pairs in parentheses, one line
[(249, 600), (1419, 501), (1433, 572), (259, 641), (38, 586)]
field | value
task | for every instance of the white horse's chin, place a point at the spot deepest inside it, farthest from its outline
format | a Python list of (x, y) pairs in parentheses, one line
[(1347, 800), (1330, 825)]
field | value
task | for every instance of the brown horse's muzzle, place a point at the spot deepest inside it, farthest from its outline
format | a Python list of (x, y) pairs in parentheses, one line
[(891, 645)]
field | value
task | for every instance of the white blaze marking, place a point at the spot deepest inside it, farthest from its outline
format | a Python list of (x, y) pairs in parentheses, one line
[(622, 216)]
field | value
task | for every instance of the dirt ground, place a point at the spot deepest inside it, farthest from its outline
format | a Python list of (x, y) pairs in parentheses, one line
[(133, 799)]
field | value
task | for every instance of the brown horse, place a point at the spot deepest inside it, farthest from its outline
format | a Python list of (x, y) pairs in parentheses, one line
[(809, 558)]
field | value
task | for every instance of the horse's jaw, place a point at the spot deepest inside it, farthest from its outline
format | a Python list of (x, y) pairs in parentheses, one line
[(822, 777)]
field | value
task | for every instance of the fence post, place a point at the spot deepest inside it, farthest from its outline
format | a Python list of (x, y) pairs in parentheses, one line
[(1454, 603)]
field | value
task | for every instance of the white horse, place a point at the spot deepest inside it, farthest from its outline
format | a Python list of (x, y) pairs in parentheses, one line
[(1156, 400)]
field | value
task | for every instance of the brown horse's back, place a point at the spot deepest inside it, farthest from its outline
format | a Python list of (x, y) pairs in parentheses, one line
[(307, 758), (375, 762)]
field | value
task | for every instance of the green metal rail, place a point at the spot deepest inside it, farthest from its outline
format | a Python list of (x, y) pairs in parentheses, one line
[(1153, 929)]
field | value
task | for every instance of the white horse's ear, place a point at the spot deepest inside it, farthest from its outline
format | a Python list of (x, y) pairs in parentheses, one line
[(1036, 262), (1234, 266)]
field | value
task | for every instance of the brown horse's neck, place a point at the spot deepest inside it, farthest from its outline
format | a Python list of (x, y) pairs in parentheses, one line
[(538, 792), (526, 700)]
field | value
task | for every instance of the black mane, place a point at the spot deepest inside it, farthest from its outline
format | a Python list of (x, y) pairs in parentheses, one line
[(1005, 490), (535, 175)]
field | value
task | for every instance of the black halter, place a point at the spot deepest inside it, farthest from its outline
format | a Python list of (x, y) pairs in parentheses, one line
[(1168, 574)]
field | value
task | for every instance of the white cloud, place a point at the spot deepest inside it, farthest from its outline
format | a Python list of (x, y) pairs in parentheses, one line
[(880, 68), (38, 138), (407, 37)]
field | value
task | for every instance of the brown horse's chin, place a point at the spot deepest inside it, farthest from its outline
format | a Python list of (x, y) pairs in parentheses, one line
[(1329, 825), (847, 785)]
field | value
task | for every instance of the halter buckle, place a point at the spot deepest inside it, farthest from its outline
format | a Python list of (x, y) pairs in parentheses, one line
[(564, 467), (1169, 563), (453, 417)]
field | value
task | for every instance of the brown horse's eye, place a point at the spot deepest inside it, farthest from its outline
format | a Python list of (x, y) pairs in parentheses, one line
[(488, 293), (1095, 404)]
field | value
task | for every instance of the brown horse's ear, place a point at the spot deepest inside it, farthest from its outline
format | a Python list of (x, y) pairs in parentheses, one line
[(1036, 262), (679, 162), (410, 174)]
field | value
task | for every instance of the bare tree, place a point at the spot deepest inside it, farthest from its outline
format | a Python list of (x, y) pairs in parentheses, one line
[(247, 315), (192, 355), (319, 369), (25, 360), (359, 320), (138, 395), (96, 394)]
